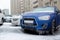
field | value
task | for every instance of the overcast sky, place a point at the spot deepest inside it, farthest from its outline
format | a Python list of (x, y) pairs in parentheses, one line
[(4, 4)]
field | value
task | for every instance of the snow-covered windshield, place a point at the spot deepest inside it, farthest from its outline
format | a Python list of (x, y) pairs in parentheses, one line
[(45, 9)]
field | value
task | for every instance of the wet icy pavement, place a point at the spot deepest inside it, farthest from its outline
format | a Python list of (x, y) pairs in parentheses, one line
[(9, 32)]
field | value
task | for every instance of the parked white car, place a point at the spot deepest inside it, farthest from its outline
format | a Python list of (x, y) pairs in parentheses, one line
[(16, 20), (1, 18), (8, 18)]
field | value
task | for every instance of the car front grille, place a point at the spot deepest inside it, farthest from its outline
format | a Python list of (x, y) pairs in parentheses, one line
[(15, 19), (31, 22)]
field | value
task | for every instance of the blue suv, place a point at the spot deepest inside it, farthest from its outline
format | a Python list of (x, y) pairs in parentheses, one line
[(42, 20)]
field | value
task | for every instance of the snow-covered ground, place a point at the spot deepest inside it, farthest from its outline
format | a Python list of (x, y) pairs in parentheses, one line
[(9, 32)]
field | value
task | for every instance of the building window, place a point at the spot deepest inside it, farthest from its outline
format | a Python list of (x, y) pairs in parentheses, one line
[(35, 2), (35, 6), (55, 2), (22, 11), (47, 4), (41, 0)]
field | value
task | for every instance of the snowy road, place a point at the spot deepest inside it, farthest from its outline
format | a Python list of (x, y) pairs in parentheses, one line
[(9, 32)]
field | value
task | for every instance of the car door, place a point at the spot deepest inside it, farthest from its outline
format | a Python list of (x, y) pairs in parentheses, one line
[(58, 18)]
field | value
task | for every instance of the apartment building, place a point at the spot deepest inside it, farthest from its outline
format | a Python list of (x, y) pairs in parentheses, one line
[(33, 4), (57, 4), (21, 6), (16, 6), (27, 5), (52, 3)]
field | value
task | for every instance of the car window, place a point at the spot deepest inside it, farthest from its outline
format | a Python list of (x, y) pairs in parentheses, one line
[(47, 9)]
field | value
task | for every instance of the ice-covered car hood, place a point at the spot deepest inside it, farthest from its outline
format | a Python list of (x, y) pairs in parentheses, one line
[(37, 14)]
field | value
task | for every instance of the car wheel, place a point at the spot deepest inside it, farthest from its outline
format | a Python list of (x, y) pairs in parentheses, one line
[(3, 20), (16, 25), (1, 24), (26, 30), (53, 27)]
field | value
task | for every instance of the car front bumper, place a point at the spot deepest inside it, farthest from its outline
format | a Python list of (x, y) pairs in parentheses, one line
[(39, 25), (15, 22)]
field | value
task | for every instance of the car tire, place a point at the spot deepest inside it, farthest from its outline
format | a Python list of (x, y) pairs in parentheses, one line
[(2, 20), (1, 24), (16, 25), (52, 30), (25, 30)]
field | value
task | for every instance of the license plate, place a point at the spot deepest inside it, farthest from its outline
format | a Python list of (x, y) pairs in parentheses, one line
[(28, 21)]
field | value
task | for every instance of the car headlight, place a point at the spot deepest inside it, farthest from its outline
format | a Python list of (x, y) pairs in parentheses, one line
[(47, 17)]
